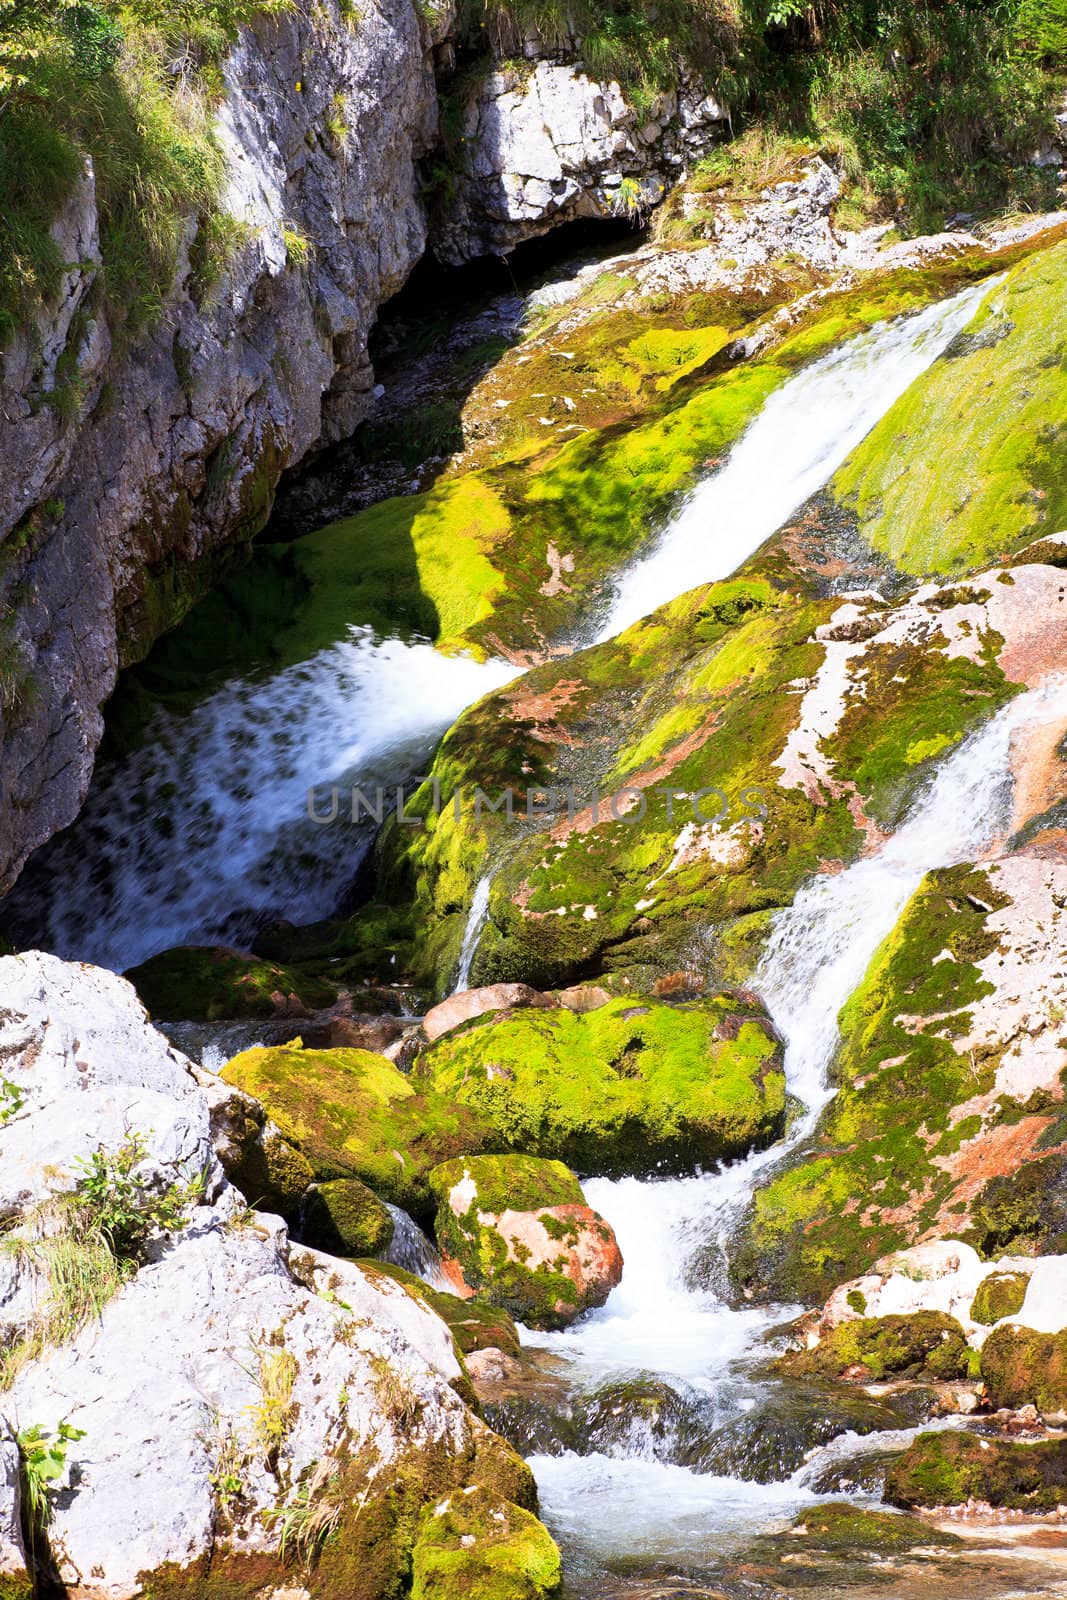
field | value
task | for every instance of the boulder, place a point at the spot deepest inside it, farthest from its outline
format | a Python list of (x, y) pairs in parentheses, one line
[(517, 1231), (1021, 1368), (473, 1545), (354, 1114), (346, 1218), (218, 1379), (634, 1086), (949, 1469), (470, 1003), (1000, 1294), (215, 984), (926, 1344)]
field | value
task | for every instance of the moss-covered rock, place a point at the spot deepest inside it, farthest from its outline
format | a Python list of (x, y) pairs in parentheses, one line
[(355, 1115), (212, 984), (1024, 1368), (633, 1086), (926, 1344), (474, 1324), (950, 1468), (519, 1232), (896, 1155), (1001, 1294), (852, 1530), (994, 403), (346, 1218), (271, 1173), (476, 1546)]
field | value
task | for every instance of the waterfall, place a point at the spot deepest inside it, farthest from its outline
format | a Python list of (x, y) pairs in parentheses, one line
[(803, 433), (209, 818), (477, 917), (411, 1249), (658, 1320)]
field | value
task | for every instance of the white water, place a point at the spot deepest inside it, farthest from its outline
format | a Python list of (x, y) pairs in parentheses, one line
[(802, 435), (210, 817), (658, 1320), (477, 917)]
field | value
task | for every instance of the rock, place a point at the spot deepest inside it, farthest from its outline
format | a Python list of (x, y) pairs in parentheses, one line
[(1000, 1294), (550, 143), (583, 997), (518, 1231), (355, 1115), (473, 1545), (15, 1581), (849, 1530), (116, 557), (950, 1469), (471, 1003), (223, 1374), (346, 1218), (632, 1086), (926, 1344), (216, 985), (1021, 1367)]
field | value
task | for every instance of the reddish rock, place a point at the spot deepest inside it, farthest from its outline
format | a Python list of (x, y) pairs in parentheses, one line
[(470, 1003)]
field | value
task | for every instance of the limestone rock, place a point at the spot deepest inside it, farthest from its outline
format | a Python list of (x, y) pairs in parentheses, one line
[(518, 1231), (471, 1003), (14, 1579)]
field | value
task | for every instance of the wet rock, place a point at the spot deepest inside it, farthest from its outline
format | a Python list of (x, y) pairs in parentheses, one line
[(777, 1435), (346, 1218), (629, 1087), (518, 1231), (471, 1003), (950, 1469)]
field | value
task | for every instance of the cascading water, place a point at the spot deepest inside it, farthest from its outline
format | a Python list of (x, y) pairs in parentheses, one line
[(802, 435), (205, 827), (476, 920), (210, 816), (658, 1320)]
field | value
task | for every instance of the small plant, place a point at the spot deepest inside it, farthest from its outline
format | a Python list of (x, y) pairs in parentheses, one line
[(227, 1478), (337, 120), (273, 1413), (298, 247), (12, 1100), (42, 1458), (120, 1205), (312, 1516)]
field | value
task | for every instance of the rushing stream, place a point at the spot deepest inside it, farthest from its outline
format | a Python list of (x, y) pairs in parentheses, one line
[(205, 826), (659, 1320)]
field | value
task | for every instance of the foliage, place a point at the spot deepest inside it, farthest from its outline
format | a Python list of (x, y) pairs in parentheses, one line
[(120, 1205), (312, 1516), (131, 86), (42, 1459)]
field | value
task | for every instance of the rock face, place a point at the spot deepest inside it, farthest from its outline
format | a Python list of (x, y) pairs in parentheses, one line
[(231, 1381), (175, 448), (545, 143), (518, 1232)]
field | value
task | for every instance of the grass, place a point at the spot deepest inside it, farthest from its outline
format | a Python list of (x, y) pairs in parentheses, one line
[(132, 86), (312, 1516)]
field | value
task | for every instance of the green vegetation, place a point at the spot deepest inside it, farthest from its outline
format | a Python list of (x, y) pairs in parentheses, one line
[(354, 1115), (994, 404), (634, 1086), (927, 1344), (42, 1461), (477, 1546), (207, 984), (849, 1530), (878, 1172), (346, 1218), (1000, 1295), (948, 1469), (1024, 1368), (130, 84)]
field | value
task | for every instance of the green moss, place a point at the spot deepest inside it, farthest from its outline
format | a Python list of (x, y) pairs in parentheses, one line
[(1021, 1368), (1000, 1295), (871, 1180), (993, 405), (209, 984), (926, 1344), (474, 1324), (851, 1530), (346, 1218), (948, 1469), (1025, 1211), (635, 1085), (353, 1114), (475, 1546), (540, 1292), (272, 1174)]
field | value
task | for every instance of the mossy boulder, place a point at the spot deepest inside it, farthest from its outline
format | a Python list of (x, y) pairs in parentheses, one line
[(518, 1231), (950, 1468), (346, 1218), (852, 1530), (1001, 1294), (926, 1344), (474, 1545), (1023, 1368), (355, 1115), (271, 1173), (213, 984), (633, 1086)]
